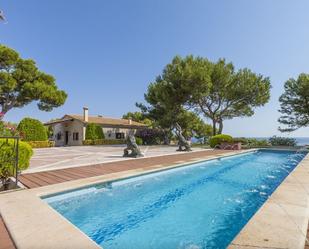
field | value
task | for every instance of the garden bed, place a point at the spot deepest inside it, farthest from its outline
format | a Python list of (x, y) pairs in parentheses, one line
[(11, 185)]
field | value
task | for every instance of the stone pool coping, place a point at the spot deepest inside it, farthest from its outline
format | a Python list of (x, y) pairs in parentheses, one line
[(45, 228)]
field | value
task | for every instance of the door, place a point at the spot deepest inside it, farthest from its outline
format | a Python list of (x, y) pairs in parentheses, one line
[(66, 139)]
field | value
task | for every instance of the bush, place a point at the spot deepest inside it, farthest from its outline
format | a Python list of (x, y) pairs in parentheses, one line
[(32, 130), (282, 141), (139, 141), (8, 129), (256, 143), (94, 131), (7, 158), (241, 140), (150, 136), (41, 144), (218, 139), (103, 141)]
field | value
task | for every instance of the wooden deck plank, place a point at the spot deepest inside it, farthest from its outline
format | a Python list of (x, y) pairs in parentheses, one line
[(70, 175), (33, 180), (27, 183), (49, 178), (6, 241), (78, 172), (61, 176)]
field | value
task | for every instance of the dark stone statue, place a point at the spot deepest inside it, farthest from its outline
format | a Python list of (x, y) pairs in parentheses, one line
[(132, 146), (182, 142)]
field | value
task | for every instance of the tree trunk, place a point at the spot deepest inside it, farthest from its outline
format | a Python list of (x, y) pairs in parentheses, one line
[(166, 140), (220, 126), (214, 130)]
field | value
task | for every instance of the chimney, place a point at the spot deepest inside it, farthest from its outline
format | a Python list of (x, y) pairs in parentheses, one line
[(130, 121), (85, 114)]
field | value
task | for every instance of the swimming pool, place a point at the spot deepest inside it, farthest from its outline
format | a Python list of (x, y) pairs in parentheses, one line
[(203, 205)]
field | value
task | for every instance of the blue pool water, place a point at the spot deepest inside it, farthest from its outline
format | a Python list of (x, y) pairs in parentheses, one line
[(203, 205)]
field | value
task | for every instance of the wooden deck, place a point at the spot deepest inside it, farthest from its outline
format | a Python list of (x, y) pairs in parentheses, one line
[(5, 239), (34, 180)]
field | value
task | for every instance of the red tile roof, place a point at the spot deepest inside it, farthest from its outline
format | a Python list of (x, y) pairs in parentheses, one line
[(104, 121)]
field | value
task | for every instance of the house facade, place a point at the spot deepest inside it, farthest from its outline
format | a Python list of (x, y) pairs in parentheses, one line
[(70, 130)]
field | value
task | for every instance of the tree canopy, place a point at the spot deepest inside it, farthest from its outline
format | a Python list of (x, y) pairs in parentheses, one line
[(294, 104), (231, 94), (215, 90), (21, 82), (138, 117)]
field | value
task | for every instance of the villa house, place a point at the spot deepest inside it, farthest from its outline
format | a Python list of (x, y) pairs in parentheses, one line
[(71, 129)]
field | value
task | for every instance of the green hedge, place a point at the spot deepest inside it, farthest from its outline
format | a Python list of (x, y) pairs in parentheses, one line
[(103, 141), (282, 141), (41, 144), (218, 139), (32, 130), (7, 156), (252, 142), (138, 140), (94, 132)]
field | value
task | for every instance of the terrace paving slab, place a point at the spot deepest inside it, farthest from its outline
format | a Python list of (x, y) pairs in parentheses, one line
[(66, 157)]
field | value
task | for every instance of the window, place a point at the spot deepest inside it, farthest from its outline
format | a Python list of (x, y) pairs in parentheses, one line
[(119, 135), (75, 136)]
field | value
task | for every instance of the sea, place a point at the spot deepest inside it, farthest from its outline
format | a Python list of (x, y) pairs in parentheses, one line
[(300, 140)]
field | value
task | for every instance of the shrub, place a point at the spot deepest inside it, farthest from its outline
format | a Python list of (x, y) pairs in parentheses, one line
[(41, 144), (103, 141), (241, 140), (94, 131), (7, 158), (8, 129), (150, 136), (32, 130), (139, 141), (282, 141), (253, 143), (218, 139)]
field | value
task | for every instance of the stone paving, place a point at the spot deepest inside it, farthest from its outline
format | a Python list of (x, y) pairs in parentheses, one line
[(74, 156)]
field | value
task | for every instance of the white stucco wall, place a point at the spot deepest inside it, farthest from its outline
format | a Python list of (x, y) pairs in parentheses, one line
[(71, 127), (78, 126), (110, 133)]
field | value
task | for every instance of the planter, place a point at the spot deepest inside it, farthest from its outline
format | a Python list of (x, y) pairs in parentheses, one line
[(9, 185)]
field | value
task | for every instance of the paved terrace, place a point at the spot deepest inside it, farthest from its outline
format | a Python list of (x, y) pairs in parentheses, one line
[(39, 179), (74, 156)]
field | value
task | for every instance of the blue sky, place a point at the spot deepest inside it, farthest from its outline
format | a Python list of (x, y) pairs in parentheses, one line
[(105, 53)]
